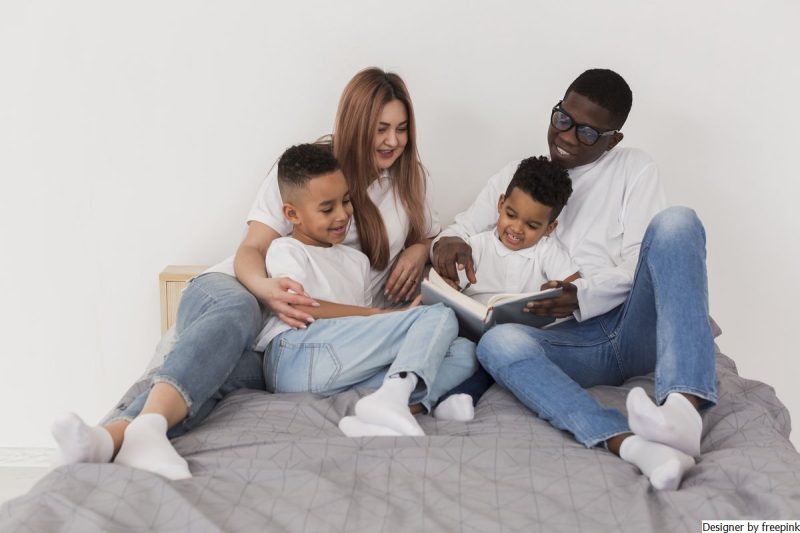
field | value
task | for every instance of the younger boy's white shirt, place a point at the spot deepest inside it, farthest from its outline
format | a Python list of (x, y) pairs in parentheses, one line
[(268, 209), (601, 227), (502, 270), (336, 274)]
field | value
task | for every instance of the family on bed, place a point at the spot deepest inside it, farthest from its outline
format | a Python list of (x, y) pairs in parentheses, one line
[(321, 294)]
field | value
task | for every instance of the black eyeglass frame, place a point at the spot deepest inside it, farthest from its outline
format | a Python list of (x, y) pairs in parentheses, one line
[(578, 127)]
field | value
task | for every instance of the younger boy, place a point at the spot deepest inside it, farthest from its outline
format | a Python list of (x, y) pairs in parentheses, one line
[(417, 348), (516, 256)]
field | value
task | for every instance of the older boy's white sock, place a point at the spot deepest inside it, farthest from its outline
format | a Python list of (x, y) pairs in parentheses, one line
[(79, 442), (147, 447), (456, 407), (388, 406), (353, 427), (676, 423), (664, 466)]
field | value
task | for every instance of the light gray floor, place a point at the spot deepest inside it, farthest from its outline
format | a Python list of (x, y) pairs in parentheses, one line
[(17, 480)]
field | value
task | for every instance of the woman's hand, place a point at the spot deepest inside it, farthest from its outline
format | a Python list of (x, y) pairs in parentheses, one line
[(404, 280), (450, 252), (558, 307), (274, 293)]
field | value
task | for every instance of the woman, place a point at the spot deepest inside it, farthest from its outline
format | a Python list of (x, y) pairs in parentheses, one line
[(220, 315)]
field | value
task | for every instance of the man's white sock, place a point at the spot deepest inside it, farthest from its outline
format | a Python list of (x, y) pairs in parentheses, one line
[(664, 466), (456, 407), (353, 427), (147, 447), (676, 423), (388, 406), (79, 442)]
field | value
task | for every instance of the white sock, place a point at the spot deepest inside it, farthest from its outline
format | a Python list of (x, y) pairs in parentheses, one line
[(147, 447), (79, 442), (353, 427), (664, 466), (388, 406), (676, 423), (456, 407)]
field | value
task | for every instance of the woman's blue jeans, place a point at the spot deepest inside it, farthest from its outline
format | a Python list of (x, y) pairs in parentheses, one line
[(217, 321), (663, 326)]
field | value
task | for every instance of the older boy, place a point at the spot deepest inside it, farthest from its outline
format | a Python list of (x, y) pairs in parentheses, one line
[(349, 343), (640, 306)]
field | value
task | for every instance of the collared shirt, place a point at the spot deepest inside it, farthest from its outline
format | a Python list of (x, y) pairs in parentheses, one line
[(602, 226), (500, 270)]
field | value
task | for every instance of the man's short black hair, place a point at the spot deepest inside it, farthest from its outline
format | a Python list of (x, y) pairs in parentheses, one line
[(301, 163), (544, 181), (607, 89)]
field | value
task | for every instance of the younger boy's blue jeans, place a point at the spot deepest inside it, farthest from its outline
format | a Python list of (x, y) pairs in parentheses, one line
[(663, 326)]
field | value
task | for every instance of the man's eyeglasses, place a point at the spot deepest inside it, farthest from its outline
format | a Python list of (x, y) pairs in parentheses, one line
[(587, 135)]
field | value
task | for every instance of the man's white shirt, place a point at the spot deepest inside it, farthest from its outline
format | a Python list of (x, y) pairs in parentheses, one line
[(602, 226)]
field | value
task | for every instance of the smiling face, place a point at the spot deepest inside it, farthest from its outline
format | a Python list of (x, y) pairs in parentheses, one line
[(565, 149), (391, 135), (523, 221), (321, 210)]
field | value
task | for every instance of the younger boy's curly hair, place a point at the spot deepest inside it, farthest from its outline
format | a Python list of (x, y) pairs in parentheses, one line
[(544, 181)]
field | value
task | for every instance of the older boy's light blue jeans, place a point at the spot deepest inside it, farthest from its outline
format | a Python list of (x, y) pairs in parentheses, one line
[(663, 326), (217, 321), (335, 354)]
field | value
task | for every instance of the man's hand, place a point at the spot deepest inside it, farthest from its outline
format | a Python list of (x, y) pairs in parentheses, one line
[(558, 307), (274, 293), (451, 254)]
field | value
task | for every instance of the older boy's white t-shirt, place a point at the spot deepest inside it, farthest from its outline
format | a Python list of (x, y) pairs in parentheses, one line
[(268, 209), (334, 274), (502, 270)]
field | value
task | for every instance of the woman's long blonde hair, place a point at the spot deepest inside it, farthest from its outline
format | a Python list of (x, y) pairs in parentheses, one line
[(353, 145)]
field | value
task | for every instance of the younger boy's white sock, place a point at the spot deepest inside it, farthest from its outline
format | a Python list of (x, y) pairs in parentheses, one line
[(353, 427), (388, 406), (676, 423), (456, 407), (79, 442), (664, 466), (147, 447)]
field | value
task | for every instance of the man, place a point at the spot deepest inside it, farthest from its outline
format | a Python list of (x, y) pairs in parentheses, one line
[(640, 306)]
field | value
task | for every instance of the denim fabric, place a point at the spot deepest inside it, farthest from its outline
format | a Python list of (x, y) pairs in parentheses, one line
[(663, 326), (333, 355), (476, 385), (218, 319)]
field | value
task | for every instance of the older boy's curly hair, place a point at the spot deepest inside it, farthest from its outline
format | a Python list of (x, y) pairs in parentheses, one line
[(544, 181), (301, 163), (607, 89)]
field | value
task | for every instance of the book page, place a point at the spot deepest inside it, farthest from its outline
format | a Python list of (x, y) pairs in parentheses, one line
[(499, 299)]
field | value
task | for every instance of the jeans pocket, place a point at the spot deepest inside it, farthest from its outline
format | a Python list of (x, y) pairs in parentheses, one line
[(302, 367)]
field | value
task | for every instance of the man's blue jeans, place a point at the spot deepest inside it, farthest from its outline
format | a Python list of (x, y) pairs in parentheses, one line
[(663, 326), (335, 354), (217, 321)]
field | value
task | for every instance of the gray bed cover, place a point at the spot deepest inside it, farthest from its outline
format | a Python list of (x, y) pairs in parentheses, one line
[(277, 462)]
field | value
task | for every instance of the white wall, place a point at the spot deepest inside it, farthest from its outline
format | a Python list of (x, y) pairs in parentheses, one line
[(134, 135)]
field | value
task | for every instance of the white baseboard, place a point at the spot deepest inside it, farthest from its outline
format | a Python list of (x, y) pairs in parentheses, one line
[(26, 456)]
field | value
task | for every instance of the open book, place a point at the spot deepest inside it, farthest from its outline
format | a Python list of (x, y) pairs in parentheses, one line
[(474, 318)]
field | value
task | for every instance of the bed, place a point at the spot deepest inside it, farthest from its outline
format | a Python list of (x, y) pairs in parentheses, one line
[(277, 462)]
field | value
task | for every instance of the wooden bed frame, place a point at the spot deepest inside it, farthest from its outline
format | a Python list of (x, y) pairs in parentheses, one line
[(171, 282)]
